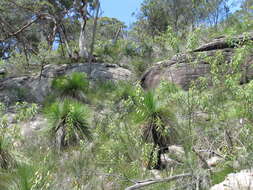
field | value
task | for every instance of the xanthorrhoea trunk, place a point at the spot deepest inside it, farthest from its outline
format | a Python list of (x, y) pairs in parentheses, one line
[(83, 52)]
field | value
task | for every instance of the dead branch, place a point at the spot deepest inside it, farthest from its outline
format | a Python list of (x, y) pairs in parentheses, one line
[(211, 152), (205, 164), (144, 183)]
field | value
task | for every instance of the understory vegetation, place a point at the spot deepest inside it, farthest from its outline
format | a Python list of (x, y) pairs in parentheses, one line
[(106, 135), (116, 137)]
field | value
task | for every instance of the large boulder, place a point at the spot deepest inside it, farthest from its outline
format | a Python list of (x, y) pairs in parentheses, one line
[(2, 72), (236, 181), (35, 88), (182, 69)]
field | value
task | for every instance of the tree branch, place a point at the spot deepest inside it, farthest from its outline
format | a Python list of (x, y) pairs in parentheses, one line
[(140, 184), (23, 28), (27, 25), (205, 164)]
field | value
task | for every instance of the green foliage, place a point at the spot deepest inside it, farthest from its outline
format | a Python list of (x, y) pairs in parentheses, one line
[(151, 109), (74, 86), (140, 65), (156, 15), (24, 175), (172, 39), (28, 177), (101, 90), (113, 51), (8, 137), (25, 111), (131, 125), (6, 159), (220, 176), (167, 89), (18, 62), (193, 39), (110, 29), (2, 108), (69, 122), (124, 90)]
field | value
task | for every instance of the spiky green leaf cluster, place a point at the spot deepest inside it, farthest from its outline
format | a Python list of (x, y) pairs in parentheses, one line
[(74, 86), (71, 118)]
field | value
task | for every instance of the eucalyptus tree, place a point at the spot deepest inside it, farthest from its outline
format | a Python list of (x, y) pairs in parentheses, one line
[(110, 29), (39, 20), (156, 15)]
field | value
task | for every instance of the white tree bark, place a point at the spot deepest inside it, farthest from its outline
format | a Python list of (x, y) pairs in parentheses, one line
[(83, 52)]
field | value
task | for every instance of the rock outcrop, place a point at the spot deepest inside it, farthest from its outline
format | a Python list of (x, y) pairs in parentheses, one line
[(237, 181), (35, 88), (182, 69), (2, 71)]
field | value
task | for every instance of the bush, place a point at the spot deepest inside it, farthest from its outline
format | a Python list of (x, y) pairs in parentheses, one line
[(8, 135), (73, 86), (25, 111), (69, 122), (140, 65), (6, 159), (158, 123)]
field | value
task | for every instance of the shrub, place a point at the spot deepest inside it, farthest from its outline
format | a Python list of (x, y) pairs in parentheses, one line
[(140, 65), (73, 86), (124, 90), (25, 111), (6, 159), (2, 108), (100, 90), (69, 122), (158, 123)]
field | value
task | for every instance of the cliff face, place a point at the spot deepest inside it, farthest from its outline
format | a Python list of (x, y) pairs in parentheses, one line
[(182, 69), (36, 88)]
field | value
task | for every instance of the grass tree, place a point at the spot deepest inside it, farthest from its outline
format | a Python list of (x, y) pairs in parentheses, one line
[(74, 86), (158, 124), (69, 122), (7, 155), (6, 159)]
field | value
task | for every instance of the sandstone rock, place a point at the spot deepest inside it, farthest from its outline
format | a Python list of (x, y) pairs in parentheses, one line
[(156, 174), (2, 71), (177, 150), (182, 69), (223, 42), (174, 156), (167, 162), (36, 88), (237, 181), (29, 128), (214, 161)]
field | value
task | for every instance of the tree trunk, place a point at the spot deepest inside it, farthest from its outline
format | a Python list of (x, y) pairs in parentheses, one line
[(94, 30), (83, 52), (66, 40)]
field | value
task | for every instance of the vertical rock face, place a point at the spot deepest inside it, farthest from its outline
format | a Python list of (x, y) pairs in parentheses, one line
[(36, 88), (184, 68)]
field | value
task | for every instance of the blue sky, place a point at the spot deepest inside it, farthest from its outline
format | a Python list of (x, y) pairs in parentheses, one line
[(121, 9)]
